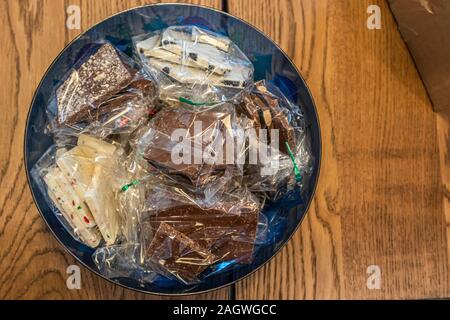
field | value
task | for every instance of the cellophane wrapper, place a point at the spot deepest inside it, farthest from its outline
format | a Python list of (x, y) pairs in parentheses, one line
[(104, 93), (166, 173), (195, 65), (81, 181)]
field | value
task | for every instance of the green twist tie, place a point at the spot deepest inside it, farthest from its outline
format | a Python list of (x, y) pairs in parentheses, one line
[(298, 176), (192, 103), (128, 185)]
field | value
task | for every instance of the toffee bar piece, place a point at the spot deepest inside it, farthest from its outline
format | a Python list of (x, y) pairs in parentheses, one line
[(90, 84), (178, 254)]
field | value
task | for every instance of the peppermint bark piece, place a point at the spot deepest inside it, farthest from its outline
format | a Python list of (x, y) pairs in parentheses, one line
[(77, 166)]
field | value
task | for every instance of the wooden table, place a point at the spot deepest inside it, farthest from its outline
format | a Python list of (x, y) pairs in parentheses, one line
[(383, 194)]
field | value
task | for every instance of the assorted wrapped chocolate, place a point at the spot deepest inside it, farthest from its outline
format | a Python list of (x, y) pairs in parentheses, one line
[(194, 64), (164, 169)]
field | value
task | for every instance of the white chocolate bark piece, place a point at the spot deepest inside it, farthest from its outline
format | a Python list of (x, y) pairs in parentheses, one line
[(79, 208), (189, 75), (199, 36), (205, 56), (91, 237), (101, 200), (101, 148), (76, 213), (176, 35), (185, 52), (58, 204)]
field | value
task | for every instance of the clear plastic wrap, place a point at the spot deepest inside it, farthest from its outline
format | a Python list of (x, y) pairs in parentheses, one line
[(274, 117), (194, 65), (104, 93), (179, 235), (64, 201), (167, 173), (81, 181), (201, 149)]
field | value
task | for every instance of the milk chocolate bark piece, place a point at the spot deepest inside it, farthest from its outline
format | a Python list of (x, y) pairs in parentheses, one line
[(93, 82), (213, 124), (178, 254)]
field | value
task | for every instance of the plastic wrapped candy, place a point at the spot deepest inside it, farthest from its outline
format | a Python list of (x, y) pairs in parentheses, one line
[(181, 235), (194, 65), (80, 183), (203, 150), (102, 94), (165, 168), (281, 125)]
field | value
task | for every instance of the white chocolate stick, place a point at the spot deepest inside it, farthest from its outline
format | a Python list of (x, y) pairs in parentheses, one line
[(101, 201)]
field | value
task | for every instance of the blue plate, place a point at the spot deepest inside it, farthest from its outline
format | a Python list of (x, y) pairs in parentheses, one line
[(270, 62)]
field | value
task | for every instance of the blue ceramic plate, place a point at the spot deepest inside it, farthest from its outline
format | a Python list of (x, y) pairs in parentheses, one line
[(270, 62)]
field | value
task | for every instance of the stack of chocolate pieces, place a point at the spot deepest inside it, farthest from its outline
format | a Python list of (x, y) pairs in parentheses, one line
[(220, 230), (264, 109), (102, 84), (204, 134)]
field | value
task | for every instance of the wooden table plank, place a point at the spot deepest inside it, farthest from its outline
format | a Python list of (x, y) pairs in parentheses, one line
[(379, 199), (33, 265), (443, 130)]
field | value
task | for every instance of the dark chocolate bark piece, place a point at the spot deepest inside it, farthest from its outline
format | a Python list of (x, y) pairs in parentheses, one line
[(264, 110), (178, 254), (89, 85), (255, 108), (228, 228)]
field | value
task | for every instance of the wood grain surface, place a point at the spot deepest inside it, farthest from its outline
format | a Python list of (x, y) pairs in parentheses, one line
[(380, 195), (384, 191), (32, 263)]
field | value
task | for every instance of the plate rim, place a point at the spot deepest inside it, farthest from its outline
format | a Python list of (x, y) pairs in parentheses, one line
[(275, 252)]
